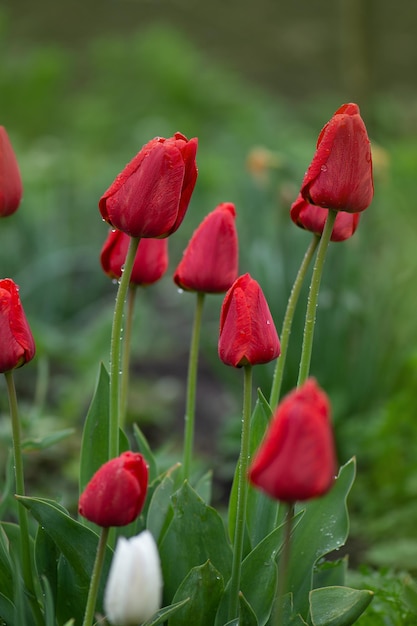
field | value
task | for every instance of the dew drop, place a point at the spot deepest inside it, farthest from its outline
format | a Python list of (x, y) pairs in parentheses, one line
[(268, 322), (324, 168), (180, 290)]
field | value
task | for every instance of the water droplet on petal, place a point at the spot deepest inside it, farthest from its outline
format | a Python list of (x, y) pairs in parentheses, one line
[(324, 168)]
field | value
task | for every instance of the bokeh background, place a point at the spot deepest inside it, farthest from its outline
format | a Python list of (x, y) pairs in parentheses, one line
[(83, 85)]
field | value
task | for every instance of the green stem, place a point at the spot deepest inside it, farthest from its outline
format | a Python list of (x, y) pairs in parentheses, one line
[(288, 319), (126, 352), (313, 299), (115, 349), (283, 568), (27, 571), (242, 495), (192, 386), (95, 578)]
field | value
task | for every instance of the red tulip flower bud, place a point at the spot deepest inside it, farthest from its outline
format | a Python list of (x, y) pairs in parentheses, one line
[(210, 261), (313, 218), (10, 181), (151, 260), (116, 493), (340, 174), (297, 460), (150, 196), (247, 332), (16, 340)]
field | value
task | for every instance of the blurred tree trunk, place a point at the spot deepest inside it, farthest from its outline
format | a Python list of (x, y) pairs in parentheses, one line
[(358, 45)]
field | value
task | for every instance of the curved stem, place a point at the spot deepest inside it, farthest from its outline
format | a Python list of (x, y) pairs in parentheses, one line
[(95, 578), (287, 323), (124, 387), (27, 571), (242, 494), (115, 349), (313, 298), (192, 387)]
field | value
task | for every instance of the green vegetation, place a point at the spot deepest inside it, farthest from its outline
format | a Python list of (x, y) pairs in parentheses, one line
[(75, 120)]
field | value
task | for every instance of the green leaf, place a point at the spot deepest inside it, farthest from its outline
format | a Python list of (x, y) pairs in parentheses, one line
[(48, 602), (195, 535), (160, 510), (338, 606), (95, 438), (8, 485), (46, 559), (247, 615), (7, 611), (30, 445), (323, 528), (6, 566), (330, 573), (261, 512), (145, 450), (203, 586), (161, 616), (204, 486), (76, 542)]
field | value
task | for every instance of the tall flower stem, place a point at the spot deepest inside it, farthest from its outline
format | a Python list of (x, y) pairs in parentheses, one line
[(189, 422), (27, 571), (124, 387), (115, 349), (310, 319), (95, 578), (278, 619), (242, 494), (288, 319)]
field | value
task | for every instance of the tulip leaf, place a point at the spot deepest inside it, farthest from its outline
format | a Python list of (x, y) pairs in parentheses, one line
[(204, 587), (262, 511), (195, 534), (6, 566), (76, 542), (204, 486), (161, 616), (338, 606), (46, 559), (8, 485), (247, 616), (324, 527), (330, 573), (160, 511), (48, 441), (95, 438), (145, 449), (7, 611)]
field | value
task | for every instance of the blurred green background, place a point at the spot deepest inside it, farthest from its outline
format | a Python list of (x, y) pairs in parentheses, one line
[(83, 85)]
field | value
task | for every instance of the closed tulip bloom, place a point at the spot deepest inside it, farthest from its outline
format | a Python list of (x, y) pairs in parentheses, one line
[(10, 181), (210, 261), (16, 340), (150, 196), (116, 493), (313, 218), (340, 174), (151, 260), (297, 460), (247, 332), (133, 591)]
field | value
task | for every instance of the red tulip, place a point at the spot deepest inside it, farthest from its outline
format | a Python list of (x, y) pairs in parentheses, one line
[(247, 332), (210, 261), (340, 174), (10, 181), (297, 460), (151, 260), (150, 196), (116, 493), (313, 218), (16, 340)]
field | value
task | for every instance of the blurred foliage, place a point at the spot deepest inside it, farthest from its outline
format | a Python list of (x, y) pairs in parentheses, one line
[(75, 119)]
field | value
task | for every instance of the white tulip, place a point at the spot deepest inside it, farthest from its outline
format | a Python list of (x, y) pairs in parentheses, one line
[(134, 587)]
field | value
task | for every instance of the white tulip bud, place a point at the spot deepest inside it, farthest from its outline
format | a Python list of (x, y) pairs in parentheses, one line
[(134, 587)]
